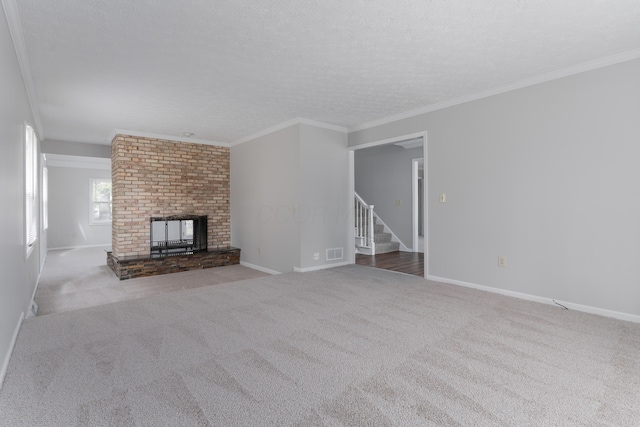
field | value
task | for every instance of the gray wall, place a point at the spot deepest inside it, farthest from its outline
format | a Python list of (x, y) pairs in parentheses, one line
[(264, 189), (289, 197), (547, 176), (382, 177), (324, 197), (69, 208), (76, 149), (19, 275)]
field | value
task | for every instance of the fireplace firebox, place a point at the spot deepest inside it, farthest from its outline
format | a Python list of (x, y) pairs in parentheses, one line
[(178, 235)]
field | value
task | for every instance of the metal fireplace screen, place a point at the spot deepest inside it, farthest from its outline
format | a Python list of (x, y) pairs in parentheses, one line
[(178, 235)]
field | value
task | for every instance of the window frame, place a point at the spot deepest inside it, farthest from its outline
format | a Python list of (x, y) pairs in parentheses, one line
[(31, 184), (92, 183), (45, 198)]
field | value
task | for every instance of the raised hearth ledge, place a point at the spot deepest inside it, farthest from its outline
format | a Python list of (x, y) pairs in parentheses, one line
[(131, 267)]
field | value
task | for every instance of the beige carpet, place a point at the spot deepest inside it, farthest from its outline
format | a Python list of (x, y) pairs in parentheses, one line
[(347, 346), (80, 278)]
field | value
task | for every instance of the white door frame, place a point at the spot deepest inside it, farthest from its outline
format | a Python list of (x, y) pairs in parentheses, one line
[(415, 208), (351, 234)]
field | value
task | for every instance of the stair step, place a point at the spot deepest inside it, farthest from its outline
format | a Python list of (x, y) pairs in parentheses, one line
[(383, 248), (378, 228), (382, 237)]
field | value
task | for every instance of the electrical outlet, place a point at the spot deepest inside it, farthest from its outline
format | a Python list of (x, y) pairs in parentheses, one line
[(443, 198), (259, 251), (502, 261), (316, 256)]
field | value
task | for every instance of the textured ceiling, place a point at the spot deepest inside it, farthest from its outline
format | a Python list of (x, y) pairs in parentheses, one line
[(225, 69)]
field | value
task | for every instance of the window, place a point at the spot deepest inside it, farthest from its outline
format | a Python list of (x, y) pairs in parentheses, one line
[(31, 187), (187, 229), (100, 201), (45, 198)]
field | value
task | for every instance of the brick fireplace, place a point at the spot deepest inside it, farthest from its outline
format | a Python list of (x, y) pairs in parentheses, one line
[(159, 178)]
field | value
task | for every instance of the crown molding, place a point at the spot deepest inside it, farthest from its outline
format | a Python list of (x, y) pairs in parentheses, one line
[(264, 132), (81, 162), (565, 72), (284, 125), (323, 125), (15, 28), (162, 136)]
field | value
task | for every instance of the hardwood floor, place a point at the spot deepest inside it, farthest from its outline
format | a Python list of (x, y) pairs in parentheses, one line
[(403, 262)]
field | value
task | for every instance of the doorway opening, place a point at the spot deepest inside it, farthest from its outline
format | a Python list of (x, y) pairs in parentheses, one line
[(404, 208)]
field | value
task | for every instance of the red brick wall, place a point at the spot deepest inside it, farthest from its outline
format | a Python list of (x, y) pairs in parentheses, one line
[(158, 177)]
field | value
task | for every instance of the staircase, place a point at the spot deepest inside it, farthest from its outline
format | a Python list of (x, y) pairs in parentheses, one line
[(383, 240), (372, 236)]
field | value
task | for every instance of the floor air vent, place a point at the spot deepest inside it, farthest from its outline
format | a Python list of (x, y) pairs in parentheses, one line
[(334, 253)]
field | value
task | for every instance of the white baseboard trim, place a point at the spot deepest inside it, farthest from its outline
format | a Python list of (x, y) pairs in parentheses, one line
[(66, 248), (5, 362), (259, 268), (319, 267), (600, 311), (550, 301)]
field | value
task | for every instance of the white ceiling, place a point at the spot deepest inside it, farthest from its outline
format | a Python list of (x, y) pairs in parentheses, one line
[(226, 69)]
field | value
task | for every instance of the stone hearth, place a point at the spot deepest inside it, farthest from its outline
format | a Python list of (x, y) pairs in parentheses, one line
[(131, 267)]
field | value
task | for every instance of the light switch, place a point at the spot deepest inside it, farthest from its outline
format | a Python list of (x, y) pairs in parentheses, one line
[(443, 198)]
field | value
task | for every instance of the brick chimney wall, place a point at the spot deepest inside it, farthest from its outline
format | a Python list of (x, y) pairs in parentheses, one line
[(158, 177)]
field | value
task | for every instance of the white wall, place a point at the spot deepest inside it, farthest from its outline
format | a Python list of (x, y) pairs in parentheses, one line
[(323, 213), (264, 189), (19, 275), (383, 176), (547, 176), (69, 208), (289, 197)]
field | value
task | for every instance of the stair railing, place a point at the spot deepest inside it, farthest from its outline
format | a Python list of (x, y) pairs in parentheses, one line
[(364, 224)]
